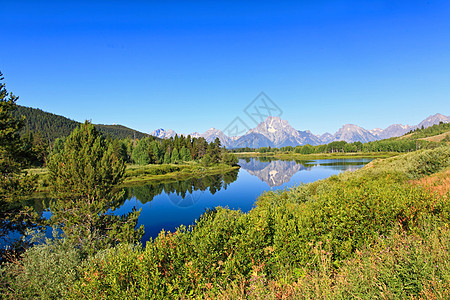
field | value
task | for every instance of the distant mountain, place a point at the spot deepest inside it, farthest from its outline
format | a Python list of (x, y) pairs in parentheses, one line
[(394, 130), (433, 120), (53, 126), (252, 140), (353, 133), (211, 134), (163, 134), (326, 138), (275, 132), (282, 134)]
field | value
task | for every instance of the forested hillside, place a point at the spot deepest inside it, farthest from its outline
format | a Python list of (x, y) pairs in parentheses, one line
[(421, 133), (53, 126)]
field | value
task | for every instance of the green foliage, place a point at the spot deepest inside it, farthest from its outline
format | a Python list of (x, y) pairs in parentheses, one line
[(12, 160), (52, 126), (34, 149), (140, 154), (175, 158), (345, 213), (87, 167), (83, 178), (416, 164), (45, 272), (229, 159), (167, 158), (15, 154), (427, 132), (206, 160), (185, 154)]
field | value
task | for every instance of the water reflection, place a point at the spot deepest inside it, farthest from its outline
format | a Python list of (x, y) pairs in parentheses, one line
[(274, 173), (181, 193), (277, 172)]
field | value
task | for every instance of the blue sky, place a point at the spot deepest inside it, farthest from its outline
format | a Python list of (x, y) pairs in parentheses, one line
[(193, 65)]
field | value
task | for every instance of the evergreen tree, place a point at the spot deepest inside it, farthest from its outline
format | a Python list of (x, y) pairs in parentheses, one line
[(175, 156), (167, 158), (14, 183), (84, 177), (140, 154), (206, 160), (157, 152), (229, 159), (185, 154)]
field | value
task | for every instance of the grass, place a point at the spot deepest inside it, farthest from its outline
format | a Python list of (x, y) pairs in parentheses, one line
[(436, 138)]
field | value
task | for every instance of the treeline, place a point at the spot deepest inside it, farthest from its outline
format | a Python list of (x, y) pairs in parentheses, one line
[(427, 132), (43, 134), (388, 145), (175, 150), (52, 126)]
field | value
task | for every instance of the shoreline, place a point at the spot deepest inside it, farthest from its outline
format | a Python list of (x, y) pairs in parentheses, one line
[(314, 156)]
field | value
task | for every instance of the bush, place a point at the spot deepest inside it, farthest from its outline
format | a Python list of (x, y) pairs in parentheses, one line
[(46, 271)]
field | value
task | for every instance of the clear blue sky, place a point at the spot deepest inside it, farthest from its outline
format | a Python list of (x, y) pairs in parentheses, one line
[(193, 65)]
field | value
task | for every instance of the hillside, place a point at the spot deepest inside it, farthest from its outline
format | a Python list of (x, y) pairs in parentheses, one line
[(53, 126), (434, 133)]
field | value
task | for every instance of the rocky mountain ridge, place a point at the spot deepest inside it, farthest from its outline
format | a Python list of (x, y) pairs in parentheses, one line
[(275, 132)]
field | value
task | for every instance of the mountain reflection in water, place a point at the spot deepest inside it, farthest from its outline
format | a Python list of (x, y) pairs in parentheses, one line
[(277, 172)]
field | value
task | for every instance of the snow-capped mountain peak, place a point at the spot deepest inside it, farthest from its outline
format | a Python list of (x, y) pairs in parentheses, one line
[(275, 132)]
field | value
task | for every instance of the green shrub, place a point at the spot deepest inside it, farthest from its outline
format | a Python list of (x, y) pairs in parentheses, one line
[(46, 271)]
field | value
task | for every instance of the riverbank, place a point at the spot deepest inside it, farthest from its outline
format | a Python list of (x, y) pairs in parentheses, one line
[(314, 156), (138, 175)]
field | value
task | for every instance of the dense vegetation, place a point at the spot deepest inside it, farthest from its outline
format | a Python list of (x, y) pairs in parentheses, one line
[(180, 149), (427, 132), (370, 233), (15, 184), (43, 134), (52, 126)]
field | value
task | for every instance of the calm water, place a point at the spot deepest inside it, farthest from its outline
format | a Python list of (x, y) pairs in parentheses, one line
[(167, 206)]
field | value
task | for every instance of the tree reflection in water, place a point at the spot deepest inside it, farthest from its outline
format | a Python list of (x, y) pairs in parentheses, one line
[(181, 193)]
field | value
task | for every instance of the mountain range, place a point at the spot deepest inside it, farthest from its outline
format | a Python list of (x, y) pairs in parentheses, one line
[(275, 132)]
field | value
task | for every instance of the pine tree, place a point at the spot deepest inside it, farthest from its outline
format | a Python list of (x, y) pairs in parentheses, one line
[(84, 177), (167, 158), (14, 183), (185, 154), (206, 160), (175, 156), (140, 154), (157, 153)]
